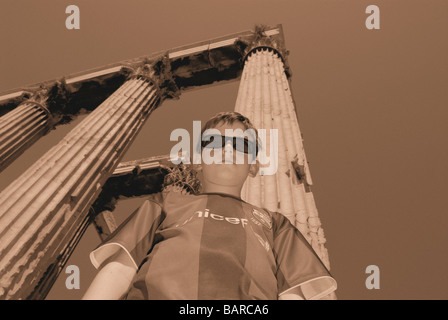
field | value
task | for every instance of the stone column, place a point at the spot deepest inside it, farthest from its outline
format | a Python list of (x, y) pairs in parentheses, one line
[(20, 128), (51, 103), (43, 213), (32, 119), (265, 97)]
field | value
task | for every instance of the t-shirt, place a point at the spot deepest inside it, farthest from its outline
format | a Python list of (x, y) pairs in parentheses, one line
[(214, 246)]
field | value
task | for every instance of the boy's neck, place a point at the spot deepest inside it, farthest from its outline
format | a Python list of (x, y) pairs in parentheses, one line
[(230, 190)]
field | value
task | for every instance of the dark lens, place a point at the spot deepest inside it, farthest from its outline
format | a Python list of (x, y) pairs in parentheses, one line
[(246, 146), (241, 145), (206, 142), (210, 142)]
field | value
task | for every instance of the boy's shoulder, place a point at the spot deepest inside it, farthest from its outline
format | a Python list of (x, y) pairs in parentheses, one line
[(277, 220), (157, 198)]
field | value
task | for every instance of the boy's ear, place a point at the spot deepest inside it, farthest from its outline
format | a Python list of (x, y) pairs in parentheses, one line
[(253, 169)]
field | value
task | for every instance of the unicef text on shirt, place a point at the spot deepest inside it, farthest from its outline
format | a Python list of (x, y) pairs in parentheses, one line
[(267, 140), (206, 214)]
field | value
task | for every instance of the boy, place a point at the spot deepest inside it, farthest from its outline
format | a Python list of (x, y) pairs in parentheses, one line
[(211, 245)]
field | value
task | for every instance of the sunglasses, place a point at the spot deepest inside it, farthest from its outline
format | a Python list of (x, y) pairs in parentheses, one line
[(238, 143)]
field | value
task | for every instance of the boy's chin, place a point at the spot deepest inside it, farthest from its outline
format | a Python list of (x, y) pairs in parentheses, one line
[(225, 169), (226, 174), (228, 183)]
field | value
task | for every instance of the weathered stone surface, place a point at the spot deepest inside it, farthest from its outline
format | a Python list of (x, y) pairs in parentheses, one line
[(264, 97), (43, 212)]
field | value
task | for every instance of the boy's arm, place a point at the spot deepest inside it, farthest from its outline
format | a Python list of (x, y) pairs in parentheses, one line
[(297, 294), (292, 294), (113, 279), (300, 272)]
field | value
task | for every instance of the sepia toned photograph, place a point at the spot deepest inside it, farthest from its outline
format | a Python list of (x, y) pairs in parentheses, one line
[(223, 150)]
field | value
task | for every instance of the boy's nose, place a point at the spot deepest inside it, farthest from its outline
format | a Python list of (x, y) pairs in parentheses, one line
[(228, 154), (228, 147)]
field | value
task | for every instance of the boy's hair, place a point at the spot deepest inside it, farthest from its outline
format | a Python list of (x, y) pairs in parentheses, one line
[(228, 118), (183, 177)]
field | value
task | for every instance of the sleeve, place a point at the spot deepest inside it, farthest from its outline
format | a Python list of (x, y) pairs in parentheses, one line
[(134, 236), (298, 264)]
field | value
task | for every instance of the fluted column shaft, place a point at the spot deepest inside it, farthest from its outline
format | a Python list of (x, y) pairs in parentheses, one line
[(265, 98), (20, 128), (42, 212)]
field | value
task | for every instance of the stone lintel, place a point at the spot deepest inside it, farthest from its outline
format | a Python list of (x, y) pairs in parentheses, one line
[(191, 66), (132, 179)]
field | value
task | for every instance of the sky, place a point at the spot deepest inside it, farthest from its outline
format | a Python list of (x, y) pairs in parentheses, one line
[(372, 106)]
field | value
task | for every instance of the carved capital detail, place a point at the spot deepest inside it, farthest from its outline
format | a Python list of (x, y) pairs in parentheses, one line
[(260, 40), (54, 99), (158, 72)]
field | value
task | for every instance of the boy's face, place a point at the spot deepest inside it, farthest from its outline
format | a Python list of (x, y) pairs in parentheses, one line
[(230, 172)]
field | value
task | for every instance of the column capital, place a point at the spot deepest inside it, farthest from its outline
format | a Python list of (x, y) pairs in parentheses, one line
[(260, 40), (158, 72), (54, 98)]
